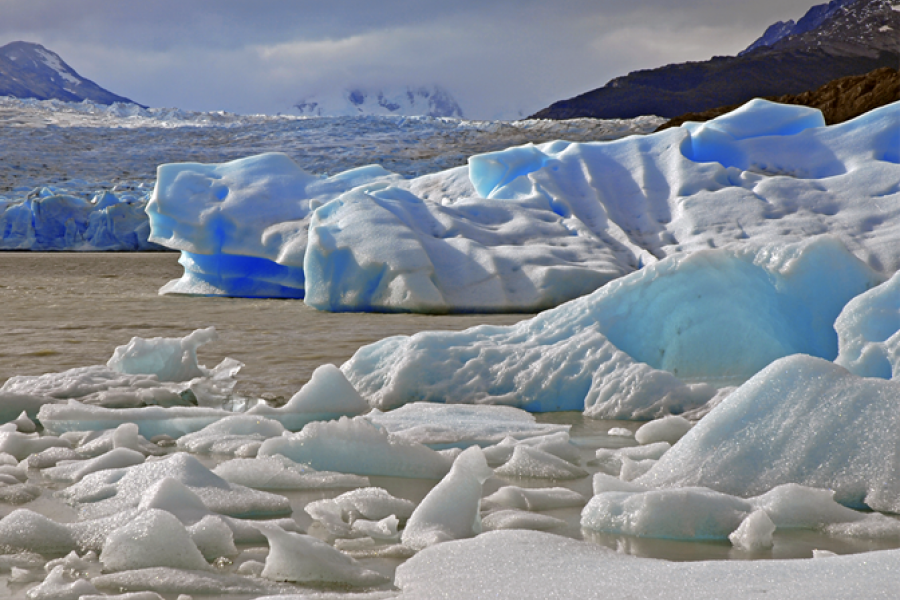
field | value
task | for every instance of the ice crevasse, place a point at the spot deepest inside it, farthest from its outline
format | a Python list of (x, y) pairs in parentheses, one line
[(529, 227)]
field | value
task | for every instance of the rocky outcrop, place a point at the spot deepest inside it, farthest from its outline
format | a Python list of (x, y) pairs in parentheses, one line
[(839, 100)]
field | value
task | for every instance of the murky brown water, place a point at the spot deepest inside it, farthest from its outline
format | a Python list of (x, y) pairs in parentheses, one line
[(64, 310)]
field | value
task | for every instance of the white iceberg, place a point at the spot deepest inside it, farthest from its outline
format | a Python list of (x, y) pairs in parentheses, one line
[(529, 227), (716, 316), (801, 420)]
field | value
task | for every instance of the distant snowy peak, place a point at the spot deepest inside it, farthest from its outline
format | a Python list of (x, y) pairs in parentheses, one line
[(408, 101), (814, 17), (31, 71), (854, 27)]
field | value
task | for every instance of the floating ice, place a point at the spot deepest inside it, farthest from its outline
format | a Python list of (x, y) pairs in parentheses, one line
[(113, 490), (21, 445), (611, 460), (527, 462), (52, 221), (676, 514), (77, 470), (668, 429), (151, 420), (338, 514), (62, 585), (327, 395), (451, 509), (533, 499), (868, 329), (153, 539), (443, 426), (754, 532), (529, 227), (278, 472), (519, 519), (303, 558), (801, 420), (236, 435), (773, 301), (357, 446), (548, 566)]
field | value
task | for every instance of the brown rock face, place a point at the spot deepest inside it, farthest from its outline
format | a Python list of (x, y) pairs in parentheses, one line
[(839, 100)]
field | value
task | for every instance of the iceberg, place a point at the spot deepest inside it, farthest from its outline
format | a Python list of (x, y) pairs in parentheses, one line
[(529, 227), (712, 318), (800, 420)]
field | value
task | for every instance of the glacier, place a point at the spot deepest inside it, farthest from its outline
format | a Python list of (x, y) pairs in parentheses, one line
[(530, 227)]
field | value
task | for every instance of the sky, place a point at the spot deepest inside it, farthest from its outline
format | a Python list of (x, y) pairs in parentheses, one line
[(498, 58)]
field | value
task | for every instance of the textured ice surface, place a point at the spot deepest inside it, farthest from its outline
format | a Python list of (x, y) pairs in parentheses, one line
[(548, 566), (451, 509), (327, 395), (533, 463), (339, 514), (154, 539), (441, 426), (668, 429), (868, 330), (357, 446), (151, 420), (533, 498), (801, 420), (303, 558), (671, 315), (531, 226), (108, 492), (278, 472)]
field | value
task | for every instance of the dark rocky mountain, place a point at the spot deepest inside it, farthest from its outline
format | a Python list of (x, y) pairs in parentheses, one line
[(840, 39), (31, 71), (839, 100)]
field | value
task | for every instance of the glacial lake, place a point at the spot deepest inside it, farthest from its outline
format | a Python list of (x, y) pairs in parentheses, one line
[(65, 310)]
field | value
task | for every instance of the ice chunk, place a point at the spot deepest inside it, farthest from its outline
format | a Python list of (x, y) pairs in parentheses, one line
[(754, 532), (481, 570), (213, 538), (527, 462), (801, 420), (278, 472), (62, 585), (533, 499), (583, 355), (154, 539), (327, 395), (23, 529), (668, 429), (451, 509), (233, 435), (22, 445), (611, 460), (519, 519), (160, 371), (869, 332), (113, 490), (151, 420), (338, 514), (170, 359), (443, 425), (303, 559), (558, 444), (357, 446), (675, 514), (77, 470)]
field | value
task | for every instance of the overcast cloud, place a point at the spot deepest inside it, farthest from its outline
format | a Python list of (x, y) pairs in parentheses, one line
[(498, 58)]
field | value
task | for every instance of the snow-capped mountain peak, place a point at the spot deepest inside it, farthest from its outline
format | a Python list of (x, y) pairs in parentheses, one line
[(29, 70), (433, 101)]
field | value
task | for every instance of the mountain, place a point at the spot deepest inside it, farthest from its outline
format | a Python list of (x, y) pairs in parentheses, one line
[(839, 100), (31, 71), (432, 101), (835, 40)]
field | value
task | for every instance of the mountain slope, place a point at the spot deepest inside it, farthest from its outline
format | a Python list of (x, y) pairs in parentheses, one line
[(853, 38), (31, 71), (432, 101)]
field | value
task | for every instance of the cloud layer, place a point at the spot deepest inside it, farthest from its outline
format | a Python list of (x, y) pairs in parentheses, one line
[(499, 58)]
